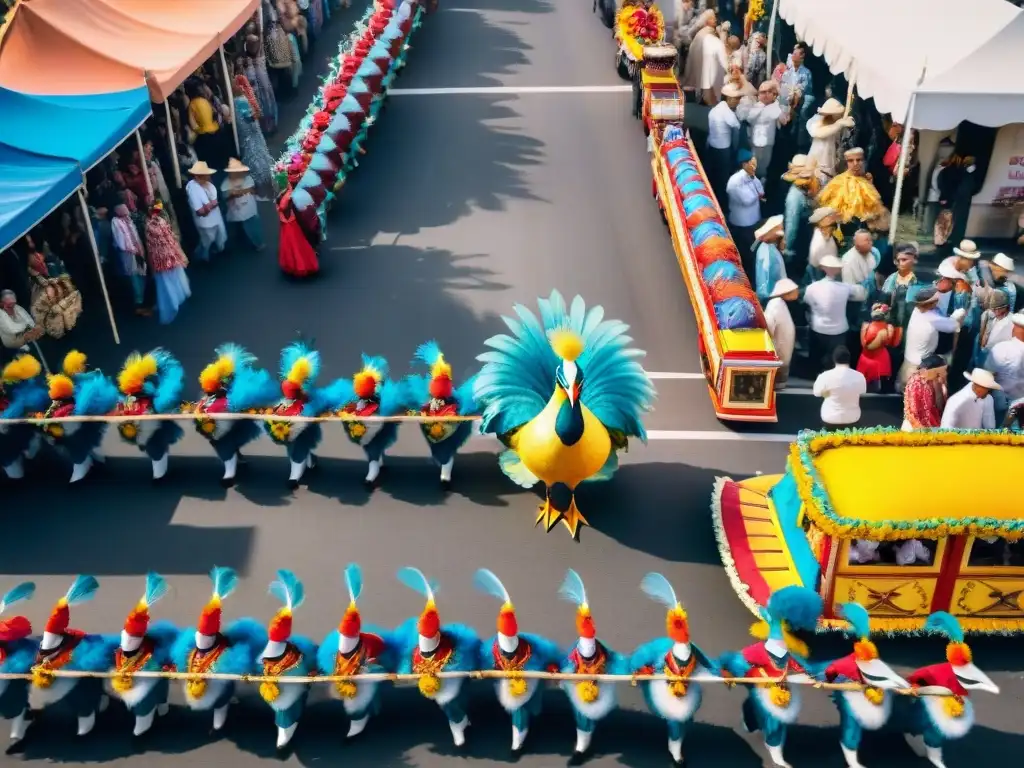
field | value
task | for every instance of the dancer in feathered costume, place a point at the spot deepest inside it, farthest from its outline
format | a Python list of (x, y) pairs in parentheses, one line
[(435, 395), (868, 709), (205, 648), (513, 652), (591, 700), (144, 648), (17, 655), (936, 719), (151, 384), (65, 649), (779, 656), (287, 655), (351, 651), (569, 430), (676, 701), (232, 384), (22, 393), (370, 393), (429, 649), (78, 392)]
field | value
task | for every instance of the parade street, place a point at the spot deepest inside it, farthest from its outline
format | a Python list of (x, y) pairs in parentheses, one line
[(474, 195)]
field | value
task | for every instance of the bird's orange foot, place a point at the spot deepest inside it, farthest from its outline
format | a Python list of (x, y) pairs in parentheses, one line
[(548, 515), (573, 520)]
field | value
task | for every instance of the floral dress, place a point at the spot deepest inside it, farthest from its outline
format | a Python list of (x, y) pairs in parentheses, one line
[(254, 150)]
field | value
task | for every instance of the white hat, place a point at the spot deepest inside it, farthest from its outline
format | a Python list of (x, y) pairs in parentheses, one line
[(829, 261), (820, 214), (832, 108), (201, 169), (1003, 261), (784, 286), (855, 152), (968, 250), (947, 268), (1018, 319), (773, 223), (982, 378), (731, 91)]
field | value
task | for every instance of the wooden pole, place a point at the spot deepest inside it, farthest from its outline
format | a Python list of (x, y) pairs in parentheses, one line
[(99, 264), (145, 166), (173, 147), (231, 101), (771, 36), (851, 87), (901, 168)]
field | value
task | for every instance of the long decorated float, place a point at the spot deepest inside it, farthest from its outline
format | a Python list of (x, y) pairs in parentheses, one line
[(329, 141), (844, 522)]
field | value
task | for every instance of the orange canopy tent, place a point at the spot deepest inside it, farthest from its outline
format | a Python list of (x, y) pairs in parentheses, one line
[(69, 47)]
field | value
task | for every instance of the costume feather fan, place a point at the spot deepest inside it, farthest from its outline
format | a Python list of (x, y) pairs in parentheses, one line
[(95, 395), (170, 384), (572, 589), (658, 588), (82, 590), (415, 580), (799, 607), (225, 580), (300, 363), (156, 588), (20, 593), (288, 589), (943, 623), (252, 388), (485, 581), (353, 581)]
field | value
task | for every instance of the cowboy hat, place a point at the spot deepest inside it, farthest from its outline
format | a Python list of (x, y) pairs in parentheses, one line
[(828, 261), (784, 286), (730, 91), (201, 169), (967, 250), (982, 378), (831, 108), (820, 214), (801, 166), (926, 295), (236, 166), (947, 268), (1003, 261), (771, 225)]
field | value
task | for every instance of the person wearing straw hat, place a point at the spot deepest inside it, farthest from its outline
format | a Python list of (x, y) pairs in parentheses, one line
[(969, 287), (923, 329), (779, 322), (799, 203), (972, 407), (723, 137), (998, 274), (769, 266), (1006, 361), (745, 193), (996, 326), (852, 193), (243, 217), (825, 129), (202, 199), (825, 241), (826, 301)]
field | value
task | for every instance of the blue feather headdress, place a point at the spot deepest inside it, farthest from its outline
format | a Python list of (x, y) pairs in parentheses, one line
[(860, 621), (95, 395), (300, 363), (789, 609), (353, 582), (943, 623), (18, 594), (170, 383), (290, 591)]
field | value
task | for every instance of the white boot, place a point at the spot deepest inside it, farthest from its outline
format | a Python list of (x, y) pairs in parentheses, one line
[(104, 703), (81, 470), (851, 757), (86, 724), (310, 460), (583, 740), (357, 726), (18, 727), (230, 469), (675, 748), (459, 731), (775, 753), (33, 447), (446, 471), (935, 757), (298, 470), (220, 716), (15, 470), (374, 471), (916, 744), (284, 735), (163, 709), (518, 738), (143, 723), (160, 466)]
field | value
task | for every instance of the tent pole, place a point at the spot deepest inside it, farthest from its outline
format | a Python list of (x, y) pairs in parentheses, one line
[(901, 168), (173, 147), (771, 36), (231, 101), (145, 167), (99, 264)]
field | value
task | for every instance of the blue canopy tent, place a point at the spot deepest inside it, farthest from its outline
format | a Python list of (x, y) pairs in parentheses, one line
[(48, 142)]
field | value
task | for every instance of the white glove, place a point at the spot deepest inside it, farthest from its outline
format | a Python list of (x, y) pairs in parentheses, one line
[(959, 315)]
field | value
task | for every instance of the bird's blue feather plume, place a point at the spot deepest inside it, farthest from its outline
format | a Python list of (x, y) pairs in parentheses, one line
[(417, 389), (82, 590), (394, 399), (415, 580), (252, 388), (288, 589), (489, 584), (379, 364), (427, 353), (860, 622), (293, 353), (464, 398), (28, 396), (23, 591), (224, 581), (943, 623), (333, 397), (170, 382), (238, 354), (156, 588), (799, 607), (354, 581), (572, 588), (95, 395), (657, 587)]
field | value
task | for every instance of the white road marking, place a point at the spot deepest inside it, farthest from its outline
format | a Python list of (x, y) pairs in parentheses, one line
[(749, 437), (511, 90), (666, 375)]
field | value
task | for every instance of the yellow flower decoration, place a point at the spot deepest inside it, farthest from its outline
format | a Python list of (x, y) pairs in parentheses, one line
[(42, 678), (677, 688), (356, 430), (429, 685), (196, 688), (207, 426), (437, 430), (55, 430), (588, 691), (780, 696), (875, 695), (346, 689), (517, 686), (280, 430), (953, 706), (129, 431), (121, 683), (269, 692)]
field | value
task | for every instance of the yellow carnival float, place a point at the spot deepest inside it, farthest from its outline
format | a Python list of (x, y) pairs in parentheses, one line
[(639, 23), (844, 521)]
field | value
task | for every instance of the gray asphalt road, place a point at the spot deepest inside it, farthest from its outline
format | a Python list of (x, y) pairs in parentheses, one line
[(465, 205)]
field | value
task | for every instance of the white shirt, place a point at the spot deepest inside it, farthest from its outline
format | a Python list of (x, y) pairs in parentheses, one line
[(821, 247), (826, 298), (863, 551), (781, 327), (198, 196), (13, 327), (1006, 361), (999, 329), (923, 333), (913, 552), (841, 387), (744, 193), (721, 121), (934, 195), (763, 120), (965, 410), (240, 208), (713, 64), (858, 268), (824, 143)]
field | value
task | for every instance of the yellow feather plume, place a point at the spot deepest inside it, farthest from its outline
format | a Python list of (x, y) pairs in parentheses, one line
[(566, 344), (74, 363), (372, 372), (300, 371), (137, 368), (440, 368), (61, 386), (21, 368), (213, 374)]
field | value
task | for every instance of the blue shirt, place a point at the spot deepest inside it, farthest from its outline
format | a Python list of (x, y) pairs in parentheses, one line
[(769, 268)]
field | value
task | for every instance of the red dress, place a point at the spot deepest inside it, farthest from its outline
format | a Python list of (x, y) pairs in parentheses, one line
[(876, 364), (295, 255)]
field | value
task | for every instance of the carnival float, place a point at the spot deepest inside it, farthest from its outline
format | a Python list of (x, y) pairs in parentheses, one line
[(843, 521), (638, 23)]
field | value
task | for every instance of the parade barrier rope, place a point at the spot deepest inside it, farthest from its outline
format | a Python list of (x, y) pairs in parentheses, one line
[(190, 416)]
